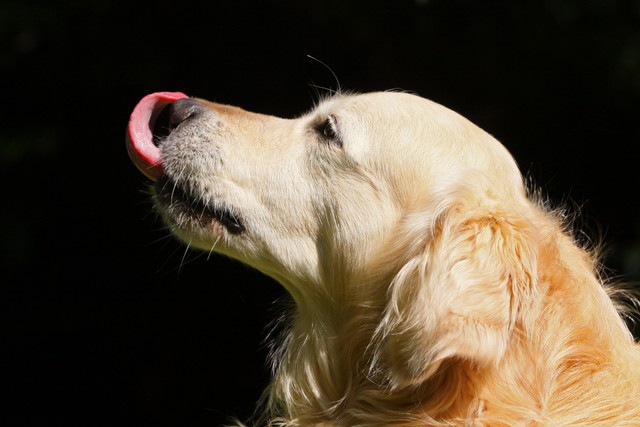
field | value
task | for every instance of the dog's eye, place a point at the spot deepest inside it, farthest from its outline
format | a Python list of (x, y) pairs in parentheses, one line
[(329, 130)]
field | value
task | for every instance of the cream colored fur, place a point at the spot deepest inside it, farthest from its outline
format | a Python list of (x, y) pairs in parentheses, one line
[(429, 289)]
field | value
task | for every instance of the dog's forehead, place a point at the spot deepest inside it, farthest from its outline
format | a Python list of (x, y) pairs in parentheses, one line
[(330, 104), (391, 107), (347, 101)]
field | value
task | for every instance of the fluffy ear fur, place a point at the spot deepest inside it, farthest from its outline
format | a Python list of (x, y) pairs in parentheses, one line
[(461, 296)]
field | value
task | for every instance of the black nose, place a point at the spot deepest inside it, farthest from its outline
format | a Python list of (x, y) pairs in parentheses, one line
[(182, 109)]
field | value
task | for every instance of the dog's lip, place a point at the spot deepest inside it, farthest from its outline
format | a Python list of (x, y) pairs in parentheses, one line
[(172, 196), (139, 137)]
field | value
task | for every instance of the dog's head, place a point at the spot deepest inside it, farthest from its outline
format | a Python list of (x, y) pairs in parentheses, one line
[(376, 185)]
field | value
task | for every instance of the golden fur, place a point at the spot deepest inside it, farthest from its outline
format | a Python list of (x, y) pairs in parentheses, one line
[(429, 289)]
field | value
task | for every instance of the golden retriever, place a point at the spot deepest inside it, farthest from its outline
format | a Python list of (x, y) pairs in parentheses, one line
[(429, 289)]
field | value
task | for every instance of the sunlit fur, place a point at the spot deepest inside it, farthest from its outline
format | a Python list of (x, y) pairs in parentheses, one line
[(429, 289)]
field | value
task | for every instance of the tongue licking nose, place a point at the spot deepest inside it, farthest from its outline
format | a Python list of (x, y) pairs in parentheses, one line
[(143, 152)]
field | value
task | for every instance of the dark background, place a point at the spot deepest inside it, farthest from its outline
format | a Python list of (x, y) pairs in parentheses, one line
[(106, 320)]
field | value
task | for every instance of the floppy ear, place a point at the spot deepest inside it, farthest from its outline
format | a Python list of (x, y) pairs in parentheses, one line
[(462, 295)]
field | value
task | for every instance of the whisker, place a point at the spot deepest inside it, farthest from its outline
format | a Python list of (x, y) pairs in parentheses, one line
[(162, 269), (200, 200), (175, 183), (158, 240), (213, 247), (329, 68), (184, 255), (327, 89)]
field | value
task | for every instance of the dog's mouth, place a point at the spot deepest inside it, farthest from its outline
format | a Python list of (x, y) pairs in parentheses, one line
[(183, 207), (180, 204)]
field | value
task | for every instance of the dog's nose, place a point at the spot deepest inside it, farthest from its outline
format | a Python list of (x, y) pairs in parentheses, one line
[(182, 109)]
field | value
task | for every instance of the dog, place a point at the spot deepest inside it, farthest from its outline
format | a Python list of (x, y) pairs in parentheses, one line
[(430, 288)]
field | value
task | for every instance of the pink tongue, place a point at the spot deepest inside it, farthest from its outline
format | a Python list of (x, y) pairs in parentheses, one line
[(144, 154)]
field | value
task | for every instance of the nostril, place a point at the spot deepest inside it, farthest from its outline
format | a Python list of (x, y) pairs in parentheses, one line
[(170, 116), (182, 109)]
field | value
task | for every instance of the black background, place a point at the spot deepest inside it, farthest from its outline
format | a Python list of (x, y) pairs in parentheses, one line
[(107, 321)]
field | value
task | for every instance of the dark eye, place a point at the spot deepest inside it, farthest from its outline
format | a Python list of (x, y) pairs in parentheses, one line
[(329, 131)]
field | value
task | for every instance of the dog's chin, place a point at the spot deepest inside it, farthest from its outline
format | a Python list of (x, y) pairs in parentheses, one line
[(193, 218)]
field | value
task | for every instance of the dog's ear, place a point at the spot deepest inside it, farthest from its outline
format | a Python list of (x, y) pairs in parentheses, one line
[(460, 297)]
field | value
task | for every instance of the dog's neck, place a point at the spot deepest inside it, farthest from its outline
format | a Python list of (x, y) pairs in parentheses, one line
[(332, 370)]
